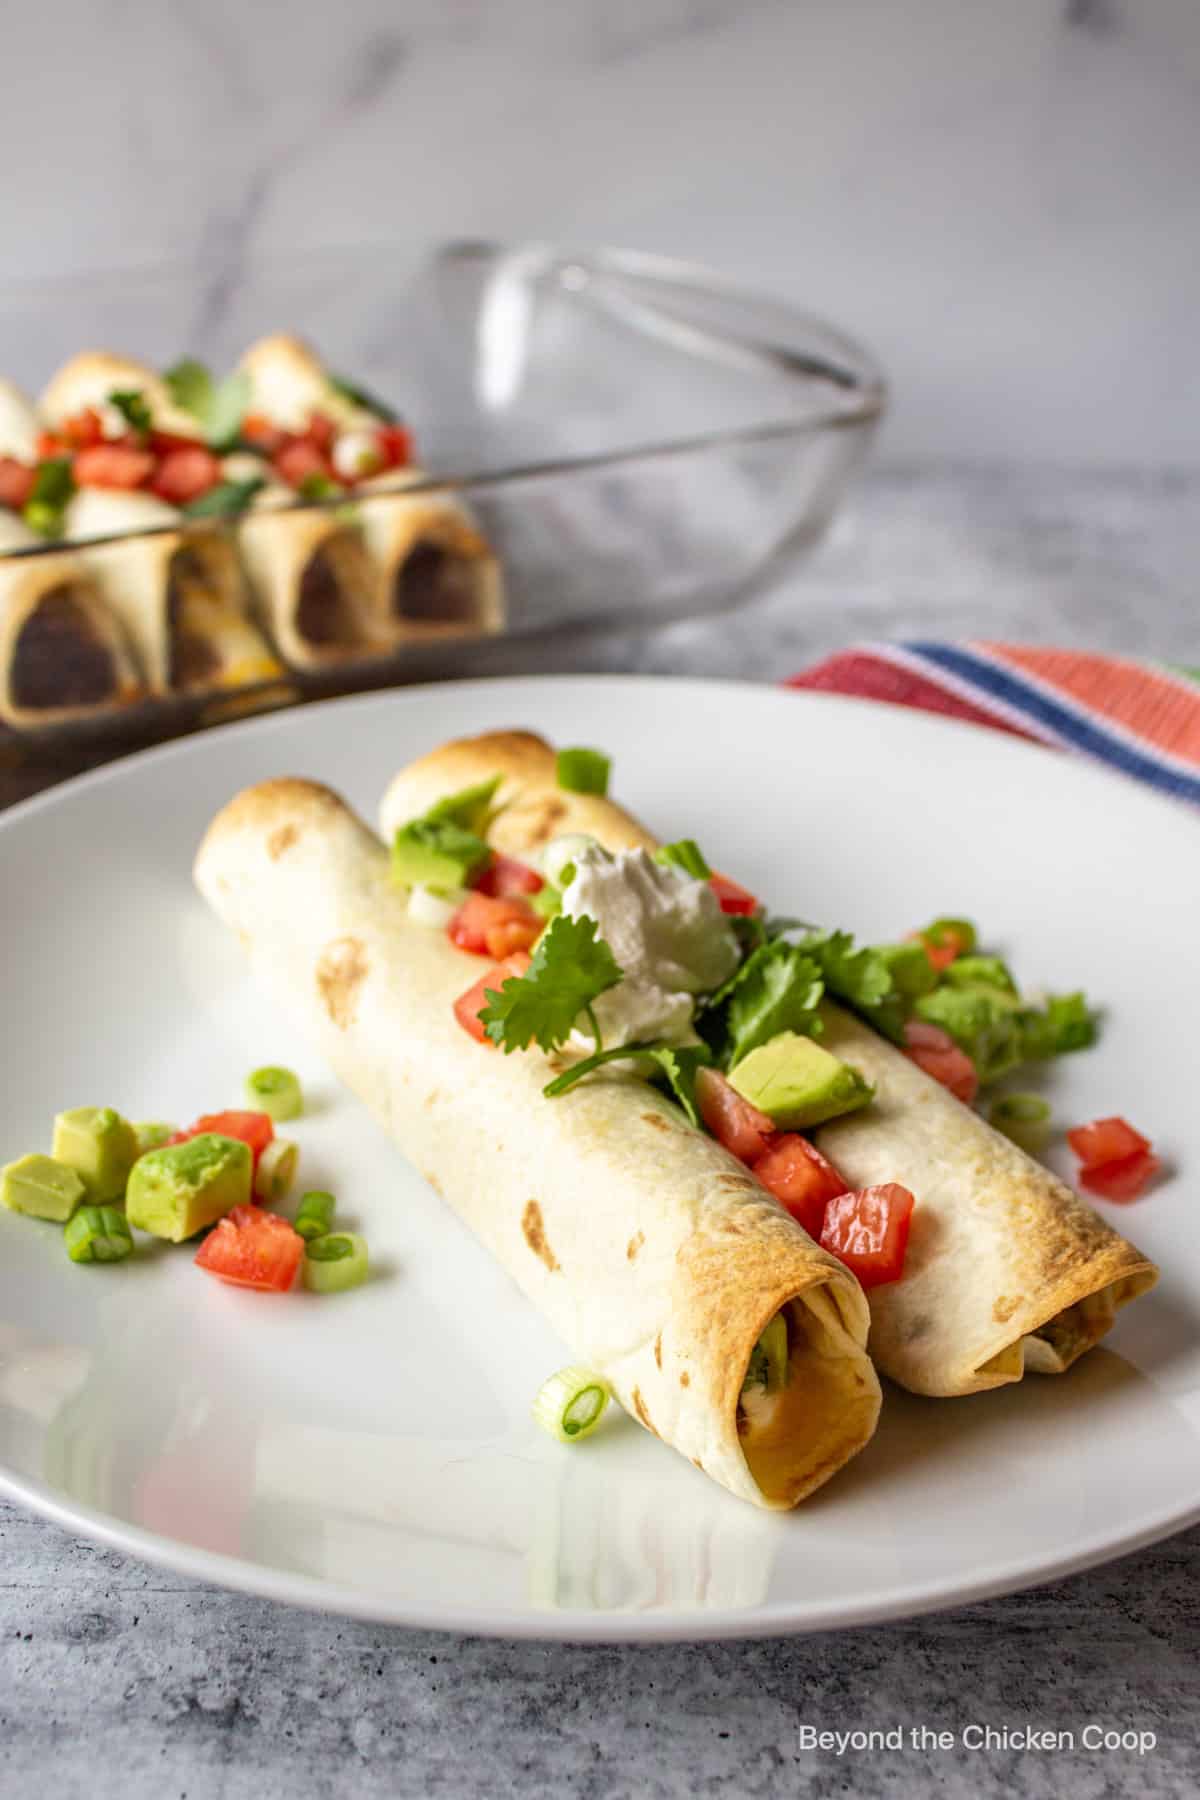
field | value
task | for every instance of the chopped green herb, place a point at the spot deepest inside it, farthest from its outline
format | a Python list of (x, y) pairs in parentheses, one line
[(570, 1404), (571, 968), (685, 855), (314, 1216), (979, 971), (275, 1091), (583, 771), (678, 1065), (335, 1262), (777, 988), (131, 404), (361, 396), (1065, 1023), (218, 406), (911, 971), (470, 807), (982, 1021), (98, 1234), (53, 487), (859, 977), (226, 500)]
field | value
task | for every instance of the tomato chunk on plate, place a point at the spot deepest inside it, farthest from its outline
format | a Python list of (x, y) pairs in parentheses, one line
[(253, 1249), (733, 896), (506, 875), (1127, 1178), (1105, 1141), (868, 1231), (494, 925), (253, 1128), (800, 1177), (468, 1006), (732, 1120), (935, 1051)]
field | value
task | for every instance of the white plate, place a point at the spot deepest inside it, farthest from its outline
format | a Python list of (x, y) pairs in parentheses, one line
[(374, 1453)]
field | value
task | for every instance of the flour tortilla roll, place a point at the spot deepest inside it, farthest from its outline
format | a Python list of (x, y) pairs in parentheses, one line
[(89, 380), (438, 573), (289, 383), (180, 595), (315, 587), (20, 426), (650, 1250), (62, 653), (1007, 1269)]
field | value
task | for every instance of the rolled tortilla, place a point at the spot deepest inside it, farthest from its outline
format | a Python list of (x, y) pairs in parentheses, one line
[(439, 575), (648, 1248), (289, 383), (1007, 1269), (62, 653), (20, 426), (179, 594), (315, 587)]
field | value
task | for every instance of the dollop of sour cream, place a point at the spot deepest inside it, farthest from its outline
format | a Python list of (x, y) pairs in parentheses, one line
[(666, 930)]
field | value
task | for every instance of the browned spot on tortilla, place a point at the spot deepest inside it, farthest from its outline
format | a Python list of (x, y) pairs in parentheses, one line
[(1004, 1309), (658, 1349), (541, 816), (341, 969), (658, 1122), (535, 1235), (281, 839), (696, 1463), (685, 1379), (435, 1184), (642, 1411), (634, 1245)]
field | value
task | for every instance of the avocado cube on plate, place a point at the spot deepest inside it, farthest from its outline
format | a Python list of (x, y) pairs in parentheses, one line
[(41, 1188), (178, 1190), (100, 1146)]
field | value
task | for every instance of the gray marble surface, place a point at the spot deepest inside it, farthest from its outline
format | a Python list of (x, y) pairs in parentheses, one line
[(116, 1679)]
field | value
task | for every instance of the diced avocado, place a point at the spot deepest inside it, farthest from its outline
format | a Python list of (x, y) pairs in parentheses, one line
[(178, 1190), (436, 852), (100, 1146), (797, 1083), (41, 1187), (151, 1134), (909, 967)]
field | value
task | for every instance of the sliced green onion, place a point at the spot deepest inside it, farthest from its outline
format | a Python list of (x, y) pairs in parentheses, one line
[(570, 1404), (152, 1134), (1025, 1118), (98, 1234), (432, 906), (336, 1262), (560, 854), (276, 1092), (583, 771), (686, 855), (547, 902), (315, 1214), (276, 1169)]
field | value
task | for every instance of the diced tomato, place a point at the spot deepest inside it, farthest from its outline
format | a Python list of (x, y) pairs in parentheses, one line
[(299, 460), (945, 949), (798, 1175), (83, 430), (732, 1120), (164, 442), (184, 475), (50, 445), (395, 446), (935, 1051), (1106, 1141), (253, 1128), (16, 482), (733, 896), (252, 1248), (1126, 1178), (113, 466), (494, 925), (506, 875), (320, 432), (257, 431), (468, 1006), (868, 1231)]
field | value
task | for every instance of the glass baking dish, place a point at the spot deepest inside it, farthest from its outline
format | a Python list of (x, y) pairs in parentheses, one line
[(628, 439)]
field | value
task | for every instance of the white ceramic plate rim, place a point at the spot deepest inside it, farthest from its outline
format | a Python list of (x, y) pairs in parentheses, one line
[(251, 1577)]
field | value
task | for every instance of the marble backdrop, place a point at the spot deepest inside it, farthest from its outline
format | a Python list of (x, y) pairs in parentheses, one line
[(1001, 198)]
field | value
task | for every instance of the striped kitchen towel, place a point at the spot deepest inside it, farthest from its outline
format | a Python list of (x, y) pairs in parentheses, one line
[(1141, 718)]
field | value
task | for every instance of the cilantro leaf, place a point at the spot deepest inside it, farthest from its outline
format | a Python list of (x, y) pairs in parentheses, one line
[(980, 971), (225, 500), (859, 977), (678, 1066), (571, 968), (982, 1021), (131, 404), (1066, 1023), (777, 988), (359, 396)]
